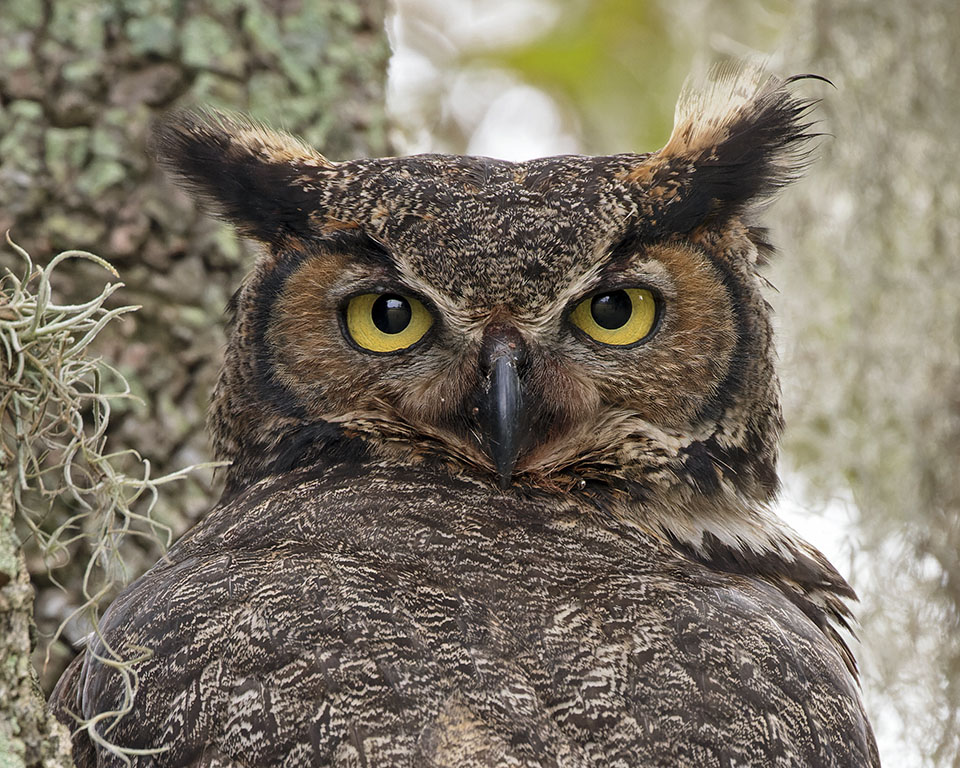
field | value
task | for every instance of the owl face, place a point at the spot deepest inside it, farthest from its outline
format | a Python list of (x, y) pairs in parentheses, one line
[(509, 328), (568, 322)]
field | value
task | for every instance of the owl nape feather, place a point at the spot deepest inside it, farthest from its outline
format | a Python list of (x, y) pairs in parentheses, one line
[(503, 443)]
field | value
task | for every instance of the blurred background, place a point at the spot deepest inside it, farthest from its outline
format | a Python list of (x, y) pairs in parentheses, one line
[(867, 280)]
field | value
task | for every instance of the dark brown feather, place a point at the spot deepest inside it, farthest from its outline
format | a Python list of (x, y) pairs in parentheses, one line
[(366, 596)]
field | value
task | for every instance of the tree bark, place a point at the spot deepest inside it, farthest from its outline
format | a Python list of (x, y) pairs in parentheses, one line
[(29, 736), (80, 84)]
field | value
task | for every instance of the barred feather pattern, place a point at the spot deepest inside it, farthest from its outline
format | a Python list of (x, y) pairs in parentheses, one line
[(337, 616), (364, 595)]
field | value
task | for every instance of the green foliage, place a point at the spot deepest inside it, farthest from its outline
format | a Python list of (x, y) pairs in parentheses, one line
[(619, 64), (607, 57)]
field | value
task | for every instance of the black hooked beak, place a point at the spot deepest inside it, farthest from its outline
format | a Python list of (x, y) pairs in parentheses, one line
[(502, 416)]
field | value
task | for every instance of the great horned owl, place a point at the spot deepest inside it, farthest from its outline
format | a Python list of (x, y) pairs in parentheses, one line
[(504, 447)]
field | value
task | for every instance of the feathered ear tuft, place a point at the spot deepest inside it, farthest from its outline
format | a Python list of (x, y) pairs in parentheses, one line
[(735, 142), (263, 181)]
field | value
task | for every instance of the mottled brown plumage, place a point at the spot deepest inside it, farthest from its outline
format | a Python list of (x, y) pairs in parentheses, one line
[(506, 542)]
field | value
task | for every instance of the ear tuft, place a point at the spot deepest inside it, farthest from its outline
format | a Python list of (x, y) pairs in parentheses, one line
[(735, 141), (264, 181)]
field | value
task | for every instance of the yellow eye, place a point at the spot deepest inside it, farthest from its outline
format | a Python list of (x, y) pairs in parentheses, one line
[(387, 322), (618, 317)]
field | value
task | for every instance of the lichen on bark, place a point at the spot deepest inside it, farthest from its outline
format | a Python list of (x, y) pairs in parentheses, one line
[(80, 84), (29, 736)]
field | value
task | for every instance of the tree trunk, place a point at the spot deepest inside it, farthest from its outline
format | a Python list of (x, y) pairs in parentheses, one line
[(29, 736), (80, 83), (872, 323)]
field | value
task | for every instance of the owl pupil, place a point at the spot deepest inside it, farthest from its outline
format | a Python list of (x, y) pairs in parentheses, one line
[(391, 313), (611, 310)]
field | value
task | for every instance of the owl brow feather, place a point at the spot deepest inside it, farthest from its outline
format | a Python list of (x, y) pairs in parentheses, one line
[(736, 141), (263, 181)]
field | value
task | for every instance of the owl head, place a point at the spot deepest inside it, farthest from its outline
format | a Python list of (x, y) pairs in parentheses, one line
[(592, 327)]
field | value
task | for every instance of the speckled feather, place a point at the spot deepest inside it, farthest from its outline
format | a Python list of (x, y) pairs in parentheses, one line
[(365, 595), (457, 626)]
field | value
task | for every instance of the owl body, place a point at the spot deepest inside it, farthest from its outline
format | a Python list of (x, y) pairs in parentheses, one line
[(503, 441), (497, 631)]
